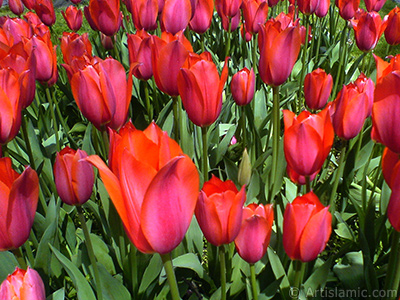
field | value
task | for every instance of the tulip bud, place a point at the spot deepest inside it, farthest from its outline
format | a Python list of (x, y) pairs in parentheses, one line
[(104, 16), (243, 86), (74, 177), (23, 285), (306, 228), (347, 8), (374, 5), (255, 232), (317, 88), (73, 17), (176, 15), (16, 6), (244, 173), (45, 10), (219, 210), (368, 28), (392, 23), (203, 12)]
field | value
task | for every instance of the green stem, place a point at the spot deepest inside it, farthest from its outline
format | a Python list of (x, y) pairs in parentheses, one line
[(92, 257), (393, 273), (202, 42), (166, 259), (308, 184), (147, 99), (134, 268), (106, 142), (275, 137), (228, 43), (254, 54), (342, 54), (253, 281), (27, 143), (299, 269), (303, 66), (4, 151), (221, 252), (243, 125), (18, 255), (339, 174), (205, 153), (176, 118), (53, 116)]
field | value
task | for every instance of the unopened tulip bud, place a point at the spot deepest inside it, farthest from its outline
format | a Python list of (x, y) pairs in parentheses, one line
[(244, 173)]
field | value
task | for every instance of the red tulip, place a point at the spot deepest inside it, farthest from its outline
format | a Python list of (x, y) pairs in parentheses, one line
[(299, 179), (18, 202), (308, 140), (255, 232), (76, 1), (143, 164), (392, 24), (32, 18), (11, 106), (23, 285), (308, 7), (73, 17), (176, 15), (306, 228), (317, 88), (272, 3), (144, 13), (279, 45), (167, 59), (228, 8), (29, 4), (368, 28), (322, 9), (255, 14), (14, 31), (347, 8), (74, 177), (102, 93), (45, 10), (386, 108), (374, 5), (243, 86), (352, 106), (200, 88), (16, 6), (139, 46), (105, 15), (219, 210), (203, 12)]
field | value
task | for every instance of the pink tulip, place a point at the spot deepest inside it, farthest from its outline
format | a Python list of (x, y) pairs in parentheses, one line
[(203, 12), (176, 15)]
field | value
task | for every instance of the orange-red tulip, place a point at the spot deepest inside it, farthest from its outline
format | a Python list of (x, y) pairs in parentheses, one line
[(255, 232), (176, 15), (19, 196), (368, 28), (23, 285), (255, 14), (219, 210), (308, 140), (73, 17), (144, 13), (73, 176), (105, 15), (306, 228), (103, 93), (374, 5), (386, 108), (16, 6), (317, 88), (308, 7), (279, 43), (243, 86), (45, 10), (203, 12), (347, 8), (153, 186), (392, 24), (200, 88), (352, 106), (139, 46)]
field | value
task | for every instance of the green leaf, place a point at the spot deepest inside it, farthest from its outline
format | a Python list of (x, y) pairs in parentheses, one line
[(7, 264), (350, 270), (112, 288), (57, 295), (319, 276), (187, 261), (83, 289), (278, 269), (151, 273)]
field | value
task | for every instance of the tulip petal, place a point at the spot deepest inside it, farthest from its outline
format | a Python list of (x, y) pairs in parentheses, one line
[(82, 177), (169, 204)]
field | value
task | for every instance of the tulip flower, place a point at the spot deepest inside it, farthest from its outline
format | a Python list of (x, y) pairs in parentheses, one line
[(322, 9), (299, 179), (347, 8), (317, 88), (18, 202), (139, 46), (29, 4), (11, 106), (143, 164), (368, 28), (243, 86), (308, 139), (306, 228), (73, 176), (23, 285), (105, 15), (219, 210), (390, 170), (374, 5), (167, 59), (255, 14), (351, 107), (255, 232), (45, 10), (386, 108), (272, 3), (200, 88), (308, 7), (15, 30), (102, 93), (176, 15), (144, 13), (392, 24), (16, 6), (73, 17), (203, 12), (228, 8), (76, 1), (279, 45)]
